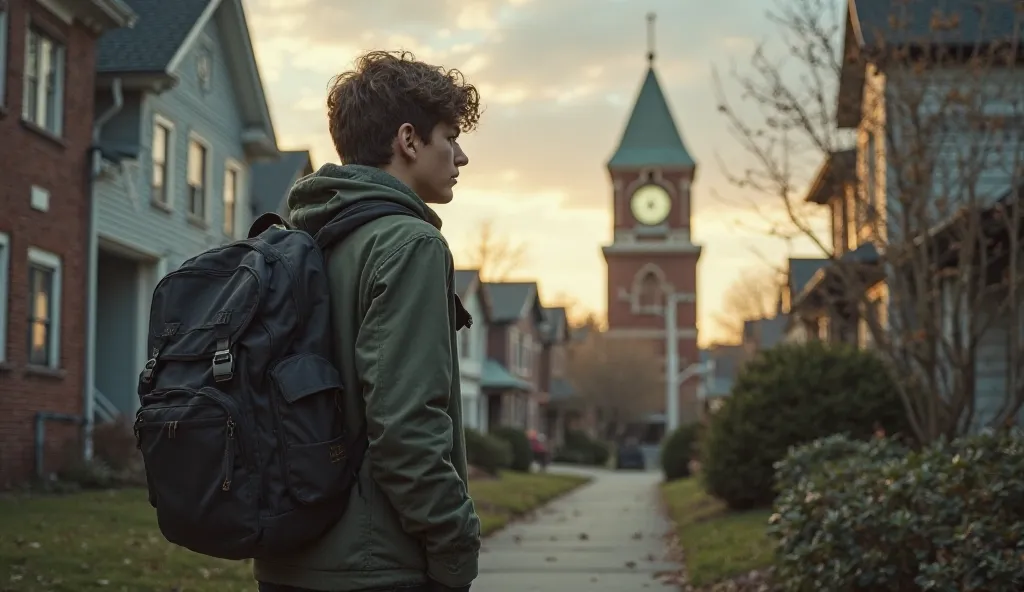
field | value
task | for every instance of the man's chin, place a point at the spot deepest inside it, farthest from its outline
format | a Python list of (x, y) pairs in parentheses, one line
[(442, 197)]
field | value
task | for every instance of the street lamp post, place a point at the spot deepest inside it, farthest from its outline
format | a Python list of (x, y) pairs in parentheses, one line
[(673, 377), (672, 300)]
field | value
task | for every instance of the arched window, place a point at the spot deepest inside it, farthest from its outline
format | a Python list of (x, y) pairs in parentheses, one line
[(650, 295)]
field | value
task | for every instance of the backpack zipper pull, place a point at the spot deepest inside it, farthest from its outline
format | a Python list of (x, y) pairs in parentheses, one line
[(229, 456)]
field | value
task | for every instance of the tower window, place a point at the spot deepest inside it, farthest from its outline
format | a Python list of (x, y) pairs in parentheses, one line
[(650, 295)]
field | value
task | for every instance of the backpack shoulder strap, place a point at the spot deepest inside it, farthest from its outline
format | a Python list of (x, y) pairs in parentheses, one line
[(265, 221), (354, 216)]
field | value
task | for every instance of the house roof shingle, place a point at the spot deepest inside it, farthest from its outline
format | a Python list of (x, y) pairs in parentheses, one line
[(508, 299), (160, 30), (898, 22), (465, 278)]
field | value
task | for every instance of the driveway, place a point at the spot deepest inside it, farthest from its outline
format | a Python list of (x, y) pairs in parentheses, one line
[(607, 536)]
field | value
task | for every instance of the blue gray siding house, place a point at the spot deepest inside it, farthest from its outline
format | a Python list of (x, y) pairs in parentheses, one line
[(472, 346), (182, 118)]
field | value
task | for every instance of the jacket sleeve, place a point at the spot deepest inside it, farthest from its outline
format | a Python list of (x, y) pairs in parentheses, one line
[(404, 358)]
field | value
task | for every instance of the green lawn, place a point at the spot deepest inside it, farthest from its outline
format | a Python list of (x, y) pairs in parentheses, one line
[(108, 540), (717, 543)]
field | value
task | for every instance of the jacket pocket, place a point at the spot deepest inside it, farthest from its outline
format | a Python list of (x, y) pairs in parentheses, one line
[(197, 475), (311, 428)]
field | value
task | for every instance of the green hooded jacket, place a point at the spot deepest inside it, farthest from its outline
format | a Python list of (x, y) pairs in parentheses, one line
[(410, 517)]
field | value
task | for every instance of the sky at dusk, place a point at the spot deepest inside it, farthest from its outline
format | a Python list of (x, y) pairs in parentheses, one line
[(558, 79)]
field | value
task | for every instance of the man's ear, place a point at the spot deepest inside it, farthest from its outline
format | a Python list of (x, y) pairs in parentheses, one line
[(405, 141)]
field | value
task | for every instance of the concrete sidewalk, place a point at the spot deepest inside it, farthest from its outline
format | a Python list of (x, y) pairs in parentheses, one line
[(607, 536)]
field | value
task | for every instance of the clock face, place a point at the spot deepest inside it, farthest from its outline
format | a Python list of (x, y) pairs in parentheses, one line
[(651, 205)]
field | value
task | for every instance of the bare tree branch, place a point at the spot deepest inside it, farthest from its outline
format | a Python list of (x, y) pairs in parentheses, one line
[(495, 255), (925, 226), (621, 376)]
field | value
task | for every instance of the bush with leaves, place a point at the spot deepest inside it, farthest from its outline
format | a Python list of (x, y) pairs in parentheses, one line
[(487, 453), (790, 395), (677, 451), (579, 448), (949, 517), (522, 452)]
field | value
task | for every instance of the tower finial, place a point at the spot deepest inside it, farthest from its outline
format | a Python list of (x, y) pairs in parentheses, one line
[(650, 37)]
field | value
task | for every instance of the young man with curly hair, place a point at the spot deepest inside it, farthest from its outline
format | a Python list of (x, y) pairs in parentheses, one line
[(410, 524)]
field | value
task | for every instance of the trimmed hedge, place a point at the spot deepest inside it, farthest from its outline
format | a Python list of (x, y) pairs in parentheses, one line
[(519, 443), (873, 516), (790, 395), (486, 452), (677, 451), (581, 449)]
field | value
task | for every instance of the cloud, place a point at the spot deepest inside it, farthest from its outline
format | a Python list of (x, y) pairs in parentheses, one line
[(558, 79)]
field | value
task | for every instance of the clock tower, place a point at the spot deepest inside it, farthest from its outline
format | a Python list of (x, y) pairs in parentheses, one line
[(652, 263)]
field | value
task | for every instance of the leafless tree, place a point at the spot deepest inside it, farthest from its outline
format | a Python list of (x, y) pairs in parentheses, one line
[(927, 259), (620, 376), (754, 295), (496, 256)]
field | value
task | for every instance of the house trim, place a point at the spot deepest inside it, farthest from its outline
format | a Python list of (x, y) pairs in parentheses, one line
[(52, 262), (207, 180), (169, 163), (235, 166), (238, 49)]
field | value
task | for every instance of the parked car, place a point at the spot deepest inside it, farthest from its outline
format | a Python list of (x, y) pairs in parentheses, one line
[(629, 455)]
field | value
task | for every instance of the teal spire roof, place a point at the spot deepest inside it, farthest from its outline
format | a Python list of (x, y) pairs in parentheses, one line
[(651, 137)]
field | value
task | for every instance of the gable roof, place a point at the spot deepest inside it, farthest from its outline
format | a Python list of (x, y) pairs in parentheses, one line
[(464, 278), (801, 271), (873, 26), (511, 300), (272, 179), (651, 137), (163, 35), (160, 30), (839, 166), (555, 319)]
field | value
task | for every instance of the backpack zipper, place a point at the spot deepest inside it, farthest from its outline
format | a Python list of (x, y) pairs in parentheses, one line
[(229, 456)]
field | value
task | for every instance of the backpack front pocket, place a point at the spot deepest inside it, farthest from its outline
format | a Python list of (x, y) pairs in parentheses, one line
[(192, 442), (310, 423)]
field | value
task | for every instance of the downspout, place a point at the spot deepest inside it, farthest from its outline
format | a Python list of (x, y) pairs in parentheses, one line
[(92, 271)]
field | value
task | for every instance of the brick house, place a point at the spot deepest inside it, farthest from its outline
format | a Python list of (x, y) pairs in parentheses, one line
[(511, 378), (47, 75)]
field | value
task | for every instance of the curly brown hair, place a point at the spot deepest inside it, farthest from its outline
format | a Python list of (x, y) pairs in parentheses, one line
[(367, 105)]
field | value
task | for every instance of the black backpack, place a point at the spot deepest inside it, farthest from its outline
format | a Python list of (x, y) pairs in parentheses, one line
[(240, 425)]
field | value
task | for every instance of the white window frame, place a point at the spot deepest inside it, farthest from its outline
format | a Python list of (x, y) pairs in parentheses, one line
[(233, 166), (526, 355), (5, 283), (204, 217), (52, 262), (3, 65), (168, 199), (55, 127), (513, 347)]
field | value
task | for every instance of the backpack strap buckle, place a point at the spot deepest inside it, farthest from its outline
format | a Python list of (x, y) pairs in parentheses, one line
[(223, 362)]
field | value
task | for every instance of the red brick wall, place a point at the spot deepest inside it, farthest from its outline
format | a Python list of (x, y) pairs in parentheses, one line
[(30, 157), (680, 270)]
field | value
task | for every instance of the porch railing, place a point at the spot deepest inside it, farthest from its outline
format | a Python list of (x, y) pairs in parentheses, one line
[(105, 410)]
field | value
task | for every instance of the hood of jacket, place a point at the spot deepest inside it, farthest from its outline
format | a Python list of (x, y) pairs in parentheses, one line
[(317, 198)]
